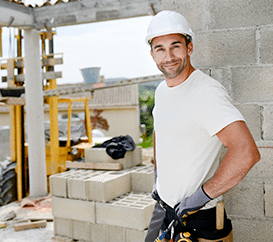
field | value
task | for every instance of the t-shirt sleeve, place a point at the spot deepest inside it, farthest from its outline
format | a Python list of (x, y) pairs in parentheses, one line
[(214, 110)]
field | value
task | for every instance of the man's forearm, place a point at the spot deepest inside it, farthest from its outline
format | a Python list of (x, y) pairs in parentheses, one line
[(241, 156), (230, 172)]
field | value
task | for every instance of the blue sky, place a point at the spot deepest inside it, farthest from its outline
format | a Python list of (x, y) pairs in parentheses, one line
[(117, 47)]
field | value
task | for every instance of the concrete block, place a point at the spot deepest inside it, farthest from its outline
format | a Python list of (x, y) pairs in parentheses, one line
[(264, 168), (196, 12), (137, 156), (115, 233), (252, 229), (252, 84), (266, 54), (80, 230), (207, 14), (222, 75), (76, 184), (107, 186), (73, 209), (142, 179), (58, 182), (133, 235), (268, 198), (236, 14), (252, 115), (245, 199), (130, 211), (267, 124), (99, 155), (97, 232), (62, 227), (224, 48)]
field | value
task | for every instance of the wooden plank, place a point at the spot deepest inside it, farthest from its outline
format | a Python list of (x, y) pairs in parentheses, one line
[(30, 225), (52, 61), (19, 64), (94, 166), (52, 75), (12, 101), (15, 101), (61, 239), (20, 78)]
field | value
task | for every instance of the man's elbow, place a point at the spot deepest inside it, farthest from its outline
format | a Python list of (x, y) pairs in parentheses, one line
[(254, 156)]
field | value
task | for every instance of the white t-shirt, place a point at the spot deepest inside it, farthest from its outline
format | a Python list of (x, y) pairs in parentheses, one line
[(186, 119)]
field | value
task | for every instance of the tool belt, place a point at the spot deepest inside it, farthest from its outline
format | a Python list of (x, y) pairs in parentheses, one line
[(203, 226)]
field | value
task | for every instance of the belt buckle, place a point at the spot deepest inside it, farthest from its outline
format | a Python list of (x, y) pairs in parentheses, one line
[(161, 203)]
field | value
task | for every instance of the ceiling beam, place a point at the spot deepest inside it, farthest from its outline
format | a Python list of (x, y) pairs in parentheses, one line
[(15, 15), (87, 11)]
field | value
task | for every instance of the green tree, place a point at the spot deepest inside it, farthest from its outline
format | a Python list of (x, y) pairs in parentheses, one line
[(146, 117)]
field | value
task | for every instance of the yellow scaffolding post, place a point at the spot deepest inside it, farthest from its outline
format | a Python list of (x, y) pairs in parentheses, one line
[(19, 157), (1, 42)]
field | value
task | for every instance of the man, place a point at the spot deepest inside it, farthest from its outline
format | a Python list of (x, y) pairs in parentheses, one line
[(193, 118)]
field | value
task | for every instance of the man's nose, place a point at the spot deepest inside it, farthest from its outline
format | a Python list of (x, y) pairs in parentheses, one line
[(169, 55)]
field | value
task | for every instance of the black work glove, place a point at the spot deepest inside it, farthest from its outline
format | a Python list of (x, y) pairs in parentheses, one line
[(154, 194), (191, 204)]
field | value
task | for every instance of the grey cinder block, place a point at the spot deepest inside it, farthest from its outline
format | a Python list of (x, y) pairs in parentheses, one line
[(73, 209), (245, 199), (107, 186), (268, 198), (129, 211)]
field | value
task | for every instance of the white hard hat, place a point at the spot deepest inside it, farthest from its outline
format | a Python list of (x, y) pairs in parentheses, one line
[(168, 22)]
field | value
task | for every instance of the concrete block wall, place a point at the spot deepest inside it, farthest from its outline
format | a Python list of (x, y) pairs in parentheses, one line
[(109, 206), (233, 44)]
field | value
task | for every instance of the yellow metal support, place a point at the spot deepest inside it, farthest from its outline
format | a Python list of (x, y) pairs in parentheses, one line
[(12, 133), (68, 142), (1, 53), (54, 129), (88, 122), (19, 158)]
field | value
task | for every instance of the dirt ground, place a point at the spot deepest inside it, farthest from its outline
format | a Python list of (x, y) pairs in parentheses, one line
[(15, 213)]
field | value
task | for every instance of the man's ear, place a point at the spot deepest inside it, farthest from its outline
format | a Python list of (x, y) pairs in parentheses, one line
[(152, 54), (190, 48)]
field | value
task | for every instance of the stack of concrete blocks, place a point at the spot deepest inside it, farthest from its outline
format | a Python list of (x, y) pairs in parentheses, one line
[(233, 44), (103, 206)]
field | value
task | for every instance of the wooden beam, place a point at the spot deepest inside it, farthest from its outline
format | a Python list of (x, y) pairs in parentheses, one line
[(52, 75), (52, 61), (13, 101), (30, 225), (94, 166), (87, 11)]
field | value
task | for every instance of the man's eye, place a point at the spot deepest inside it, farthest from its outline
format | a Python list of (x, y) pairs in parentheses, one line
[(160, 49)]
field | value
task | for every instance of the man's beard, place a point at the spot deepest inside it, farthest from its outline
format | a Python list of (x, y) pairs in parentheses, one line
[(174, 71)]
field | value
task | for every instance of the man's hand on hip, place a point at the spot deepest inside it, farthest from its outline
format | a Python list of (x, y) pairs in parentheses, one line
[(191, 204)]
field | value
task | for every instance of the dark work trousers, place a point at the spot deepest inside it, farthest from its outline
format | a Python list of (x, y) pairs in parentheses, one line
[(155, 224), (201, 224)]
